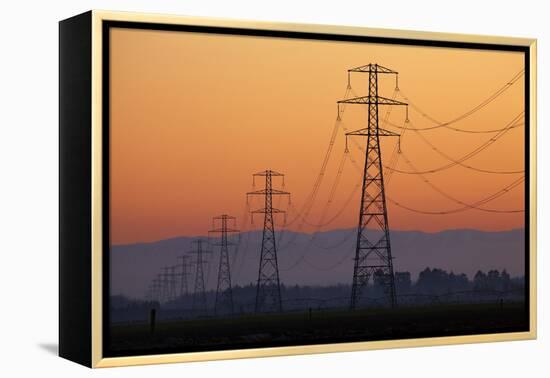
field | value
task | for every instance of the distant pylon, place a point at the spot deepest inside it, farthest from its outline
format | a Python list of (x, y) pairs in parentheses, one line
[(373, 256), (159, 281), (149, 294), (184, 287), (224, 292), (165, 288), (156, 290), (172, 283), (199, 306), (268, 289)]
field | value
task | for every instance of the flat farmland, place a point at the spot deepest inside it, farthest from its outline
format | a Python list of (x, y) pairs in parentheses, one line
[(317, 327)]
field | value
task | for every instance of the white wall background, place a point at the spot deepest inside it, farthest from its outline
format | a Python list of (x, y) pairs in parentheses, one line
[(28, 185)]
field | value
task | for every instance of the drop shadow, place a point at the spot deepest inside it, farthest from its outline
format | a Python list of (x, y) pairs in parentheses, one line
[(52, 348)]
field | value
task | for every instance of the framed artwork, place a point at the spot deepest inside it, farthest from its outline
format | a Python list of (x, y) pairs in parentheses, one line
[(235, 189)]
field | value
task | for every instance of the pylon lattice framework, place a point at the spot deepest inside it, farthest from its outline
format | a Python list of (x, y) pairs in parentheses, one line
[(373, 258), (184, 288), (157, 287), (199, 304), (224, 293), (268, 289), (173, 283), (165, 289)]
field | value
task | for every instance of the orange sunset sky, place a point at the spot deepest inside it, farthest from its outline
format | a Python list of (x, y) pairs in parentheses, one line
[(194, 115)]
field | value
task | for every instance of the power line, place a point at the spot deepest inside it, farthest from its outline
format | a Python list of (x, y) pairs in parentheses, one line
[(317, 183), (467, 206), (308, 204), (460, 161), (437, 189), (519, 124), (452, 198), (476, 108)]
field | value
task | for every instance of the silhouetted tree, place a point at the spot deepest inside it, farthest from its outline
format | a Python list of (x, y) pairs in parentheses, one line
[(433, 281), (403, 283), (493, 280), (480, 281), (505, 280)]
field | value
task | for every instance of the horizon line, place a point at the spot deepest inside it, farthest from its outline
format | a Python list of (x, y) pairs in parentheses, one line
[(319, 232)]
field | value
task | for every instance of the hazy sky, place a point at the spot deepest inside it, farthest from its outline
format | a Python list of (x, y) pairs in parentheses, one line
[(194, 115)]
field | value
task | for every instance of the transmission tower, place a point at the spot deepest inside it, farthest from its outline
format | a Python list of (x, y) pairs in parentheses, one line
[(158, 282), (268, 289), (155, 296), (184, 288), (165, 282), (172, 283), (199, 306), (149, 295), (373, 258), (224, 293)]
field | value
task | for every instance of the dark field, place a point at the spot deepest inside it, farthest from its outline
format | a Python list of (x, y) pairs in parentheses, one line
[(326, 326)]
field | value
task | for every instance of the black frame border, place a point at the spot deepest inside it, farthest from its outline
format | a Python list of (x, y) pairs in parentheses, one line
[(75, 196)]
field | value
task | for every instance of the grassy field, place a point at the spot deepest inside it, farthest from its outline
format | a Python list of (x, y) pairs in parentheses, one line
[(318, 327)]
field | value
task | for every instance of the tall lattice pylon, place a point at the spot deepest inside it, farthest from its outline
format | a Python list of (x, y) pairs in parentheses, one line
[(199, 305), (268, 288), (224, 292), (184, 274), (373, 258)]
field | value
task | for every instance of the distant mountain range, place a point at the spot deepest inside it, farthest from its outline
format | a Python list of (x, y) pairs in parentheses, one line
[(324, 258)]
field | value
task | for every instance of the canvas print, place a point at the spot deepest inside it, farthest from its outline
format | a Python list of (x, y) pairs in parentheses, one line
[(292, 190)]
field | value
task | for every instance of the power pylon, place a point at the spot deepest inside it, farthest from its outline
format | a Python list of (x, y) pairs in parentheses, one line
[(172, 283), (373, 249), (159, 287), (165, 282), (224, 293), (199, 306), (184, 288), (149, 294), (268, 289), (156, 290)]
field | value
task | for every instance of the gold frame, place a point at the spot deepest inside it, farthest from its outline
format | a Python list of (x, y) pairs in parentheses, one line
[(98, 361)]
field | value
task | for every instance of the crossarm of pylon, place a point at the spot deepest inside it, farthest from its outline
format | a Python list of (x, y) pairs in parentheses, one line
[(369, 68), (367, 100), (266, 172), (365, 132), (381, 132), (224, 230), (264, 191), (222, 244), (263, 211), (224, 217)]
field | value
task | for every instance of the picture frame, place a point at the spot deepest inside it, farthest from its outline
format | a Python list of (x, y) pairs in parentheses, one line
[(86, 273)]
